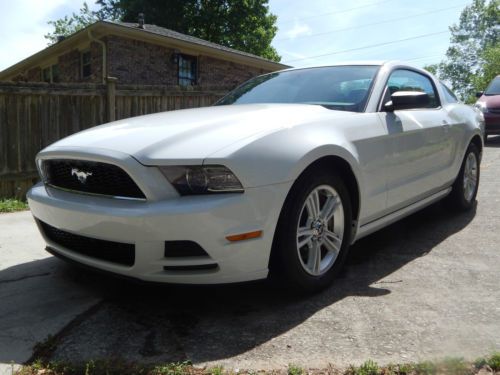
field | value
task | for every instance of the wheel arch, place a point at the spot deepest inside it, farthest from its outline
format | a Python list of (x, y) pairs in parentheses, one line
[(342, 165), (337, 164), (476, 139), (343, 168)]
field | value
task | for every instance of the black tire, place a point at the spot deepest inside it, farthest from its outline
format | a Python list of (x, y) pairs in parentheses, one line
[(457, 199), (285, 265)]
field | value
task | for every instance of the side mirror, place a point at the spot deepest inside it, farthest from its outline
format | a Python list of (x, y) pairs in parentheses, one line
[(407, 100), (479, 94)]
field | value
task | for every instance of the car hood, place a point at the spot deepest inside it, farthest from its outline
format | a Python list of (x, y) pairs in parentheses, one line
[(492, 101), (191, 135)]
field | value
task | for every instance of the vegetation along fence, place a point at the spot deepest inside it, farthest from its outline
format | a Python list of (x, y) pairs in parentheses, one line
[(34, 115)]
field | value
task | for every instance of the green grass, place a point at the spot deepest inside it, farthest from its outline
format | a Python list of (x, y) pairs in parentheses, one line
[(447, 366), (217, 370), (492, 362), (404, 369), (177, 368), (455, 366), (12, 205), (295, 370), (368, 368), (425, 368)]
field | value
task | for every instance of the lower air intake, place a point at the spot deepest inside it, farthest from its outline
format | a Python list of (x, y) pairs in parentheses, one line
[(114, 252)]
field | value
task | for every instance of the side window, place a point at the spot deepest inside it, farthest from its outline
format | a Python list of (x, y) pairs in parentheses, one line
[(448, 94), (408, 80)]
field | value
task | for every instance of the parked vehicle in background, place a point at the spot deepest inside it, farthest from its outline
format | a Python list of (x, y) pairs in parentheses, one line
[(282, 175), (489, 104)]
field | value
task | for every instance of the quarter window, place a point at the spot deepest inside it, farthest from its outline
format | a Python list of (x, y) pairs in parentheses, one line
[(187, 70), (408, 80), (448, 94)]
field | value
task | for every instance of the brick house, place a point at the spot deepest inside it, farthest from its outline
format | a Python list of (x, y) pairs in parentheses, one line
[(139, 55)]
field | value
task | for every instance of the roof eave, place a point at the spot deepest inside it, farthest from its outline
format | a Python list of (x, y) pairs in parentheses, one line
[(255, 61), (54, 49), (102, 28)]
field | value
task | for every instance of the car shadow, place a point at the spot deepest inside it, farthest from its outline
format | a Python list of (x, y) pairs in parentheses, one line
[(492, 141), (160, 323)]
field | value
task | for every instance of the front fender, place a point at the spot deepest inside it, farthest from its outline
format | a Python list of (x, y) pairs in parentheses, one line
[(283, 155)]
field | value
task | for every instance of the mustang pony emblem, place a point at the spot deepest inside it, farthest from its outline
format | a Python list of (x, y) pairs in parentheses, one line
[(82, 176)]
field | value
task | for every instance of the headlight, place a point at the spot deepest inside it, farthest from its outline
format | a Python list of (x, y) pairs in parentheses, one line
[(206, 179), (481, 106)]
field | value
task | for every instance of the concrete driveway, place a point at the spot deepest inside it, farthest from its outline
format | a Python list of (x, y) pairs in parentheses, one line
[(424, 288)]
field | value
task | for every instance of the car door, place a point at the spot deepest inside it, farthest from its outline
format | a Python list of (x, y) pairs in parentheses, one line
[(420, 149)]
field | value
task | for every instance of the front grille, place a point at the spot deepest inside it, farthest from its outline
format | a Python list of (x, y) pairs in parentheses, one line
[(90, 177), (115, 252)]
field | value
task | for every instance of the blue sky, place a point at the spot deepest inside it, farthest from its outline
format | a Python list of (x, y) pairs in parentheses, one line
[(345, 28), (333, 30)]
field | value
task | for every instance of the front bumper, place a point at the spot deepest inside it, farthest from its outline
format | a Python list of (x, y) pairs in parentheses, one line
[(492, 123), (206, 220)]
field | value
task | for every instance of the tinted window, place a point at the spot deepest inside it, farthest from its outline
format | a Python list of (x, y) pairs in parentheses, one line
[(338, 87), (493, 87), (449, 95), (408, 80)]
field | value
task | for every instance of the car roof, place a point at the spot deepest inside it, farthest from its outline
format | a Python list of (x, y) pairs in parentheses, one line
[(385, 63)]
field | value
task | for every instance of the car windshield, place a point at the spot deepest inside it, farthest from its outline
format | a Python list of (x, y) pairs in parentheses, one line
[(343, 88), (494, 87)]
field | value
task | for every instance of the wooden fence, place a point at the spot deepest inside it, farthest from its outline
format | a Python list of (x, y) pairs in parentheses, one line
[(34, 115)]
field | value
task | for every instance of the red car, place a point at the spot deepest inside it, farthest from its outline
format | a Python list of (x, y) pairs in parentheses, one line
[(489, 104)]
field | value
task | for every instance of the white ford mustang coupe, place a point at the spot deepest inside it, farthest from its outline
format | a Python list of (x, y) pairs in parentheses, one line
[(279, 177)]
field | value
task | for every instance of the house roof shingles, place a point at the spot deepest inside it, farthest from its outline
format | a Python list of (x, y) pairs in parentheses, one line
[(184, 37), (150, 29)]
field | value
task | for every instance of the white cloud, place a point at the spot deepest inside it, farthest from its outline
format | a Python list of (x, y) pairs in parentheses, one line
[(24, 23), (298, 29)]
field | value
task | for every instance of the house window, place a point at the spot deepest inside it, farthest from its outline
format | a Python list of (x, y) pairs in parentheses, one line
[(187, 70), (54, 70), (85, 62), (50, 74), (46, 74)]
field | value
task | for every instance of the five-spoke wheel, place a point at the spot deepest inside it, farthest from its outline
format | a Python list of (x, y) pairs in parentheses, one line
[(464, 189), (313, 233), (320, 230)]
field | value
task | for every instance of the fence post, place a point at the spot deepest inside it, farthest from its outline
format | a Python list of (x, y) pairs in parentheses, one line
[(111, 100)]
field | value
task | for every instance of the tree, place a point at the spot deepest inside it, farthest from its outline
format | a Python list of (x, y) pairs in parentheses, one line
[(477, 30), (433, 68), (490, 68), (246, 25), (68, 25)]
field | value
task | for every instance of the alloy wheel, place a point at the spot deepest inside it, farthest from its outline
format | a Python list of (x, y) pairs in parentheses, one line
[(320, 230), (470, 176)]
